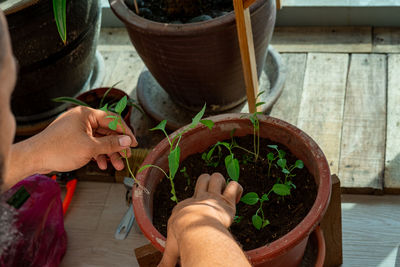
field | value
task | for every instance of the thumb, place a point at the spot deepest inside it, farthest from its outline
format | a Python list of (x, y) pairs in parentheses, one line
[(111, 143)]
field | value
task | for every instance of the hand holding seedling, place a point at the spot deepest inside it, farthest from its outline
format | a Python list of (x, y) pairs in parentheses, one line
[(197, 228), (76, 137)]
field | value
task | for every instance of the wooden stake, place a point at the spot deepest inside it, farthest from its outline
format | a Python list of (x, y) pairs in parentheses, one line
[(245, 36)]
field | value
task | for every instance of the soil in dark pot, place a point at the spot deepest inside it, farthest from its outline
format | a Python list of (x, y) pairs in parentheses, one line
[(200, 62), (291, 218), (47, 67)]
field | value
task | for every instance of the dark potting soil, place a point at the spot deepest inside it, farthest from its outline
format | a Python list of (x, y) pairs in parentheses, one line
[(283, 213), (181, 11)]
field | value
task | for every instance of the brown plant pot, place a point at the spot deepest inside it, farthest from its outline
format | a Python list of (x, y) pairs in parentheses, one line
[(286, 251), (94, 96), (200, 62)]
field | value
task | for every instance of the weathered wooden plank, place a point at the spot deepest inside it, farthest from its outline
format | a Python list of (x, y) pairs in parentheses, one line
[(288, 104), (386, 40), (392, 163), (114, 39), (371, 230), (364, 124), (321, 108), (323, 39)]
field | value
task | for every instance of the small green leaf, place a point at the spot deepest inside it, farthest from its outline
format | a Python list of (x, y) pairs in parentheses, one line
[(289, 183), (105, 108), (281, 154), (60, 16), (113, 125), (265, 223), (252, 119), (260, 93), (237, 219), (70, 100), (209, 154), (121, 105), (281, 189), (281, 163), (198, 117), (260, 103), (112, 117), (257, 221), (273, 146), (265, 197), (208, 123), (160, 126), (250, 198), (173, 198), (270, 156), (285, 171), (144, 167), (225, 144), (183, 169), (299, 164), (173, 161), (232, 166)]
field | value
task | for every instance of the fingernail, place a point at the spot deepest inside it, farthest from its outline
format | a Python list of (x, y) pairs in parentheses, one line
[(124, 141), (134, 142)]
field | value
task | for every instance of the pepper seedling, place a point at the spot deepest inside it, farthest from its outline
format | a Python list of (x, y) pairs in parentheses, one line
[(175, 150), (252, 198)]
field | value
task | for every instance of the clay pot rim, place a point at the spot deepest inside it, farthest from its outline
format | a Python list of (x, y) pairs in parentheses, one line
[(131, 19), (279, 246)]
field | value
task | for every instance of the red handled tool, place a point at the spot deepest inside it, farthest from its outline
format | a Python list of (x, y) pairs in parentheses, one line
[(68, 180)]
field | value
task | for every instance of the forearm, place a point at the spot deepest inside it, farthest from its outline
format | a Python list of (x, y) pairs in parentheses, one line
[(24, 160), (210, 244)]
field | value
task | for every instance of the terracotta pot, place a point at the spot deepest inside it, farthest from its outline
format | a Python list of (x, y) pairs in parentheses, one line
[(200, 62), (289, 249), (319, 236), (94, 96), (48, 67)]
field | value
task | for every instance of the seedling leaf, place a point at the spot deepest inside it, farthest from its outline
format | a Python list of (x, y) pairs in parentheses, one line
[(198, 117), (232, 166), (71, 100), (273, 146), (285, 171), (299, 164), (113, 124), (265, 197), (121, 105), (257, 221), (281, 154), (173, 198), (105, 108), (260, 93), (60, 15), (281, 189), (208, 123), (265, 223), (250, 198), (173, 161), (270, 156), (160, 126), (281, 163), (260, 103)]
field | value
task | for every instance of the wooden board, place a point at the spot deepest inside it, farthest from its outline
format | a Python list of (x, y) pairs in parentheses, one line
[(386, 40), (322, 102), (371, 230), (323, 39), (392, 157), (288, 104), (364, 124), (114, 39)]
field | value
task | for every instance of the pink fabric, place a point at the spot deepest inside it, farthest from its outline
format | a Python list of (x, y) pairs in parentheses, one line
[(40, 221)]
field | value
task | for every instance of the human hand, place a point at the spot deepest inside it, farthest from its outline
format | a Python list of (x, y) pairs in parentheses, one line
[(79, 135), (213, 203)]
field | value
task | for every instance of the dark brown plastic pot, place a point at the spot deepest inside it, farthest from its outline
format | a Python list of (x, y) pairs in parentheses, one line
[(94, 96), (286, 251), (200, 62)]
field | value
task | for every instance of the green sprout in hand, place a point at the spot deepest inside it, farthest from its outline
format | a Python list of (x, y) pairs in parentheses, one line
[(175, 150), (113, 124)]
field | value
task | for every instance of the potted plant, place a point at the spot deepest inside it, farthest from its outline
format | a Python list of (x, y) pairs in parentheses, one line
[(280, 157), (50, 66), (196, 63)]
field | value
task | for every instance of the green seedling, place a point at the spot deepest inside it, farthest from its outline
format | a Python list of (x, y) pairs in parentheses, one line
[(186, 175), (175, 151), (231, 163), (113, 125), (252, 198), (271, 157), (256, 128), (237, 219)]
